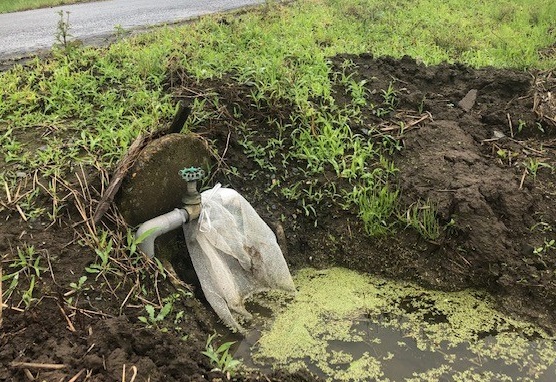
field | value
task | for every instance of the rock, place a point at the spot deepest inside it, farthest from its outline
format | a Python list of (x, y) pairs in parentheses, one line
[(468, 101), (153, 186)]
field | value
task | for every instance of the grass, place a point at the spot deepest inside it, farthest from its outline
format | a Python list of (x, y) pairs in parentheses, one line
[(83, 106), (22, 5)]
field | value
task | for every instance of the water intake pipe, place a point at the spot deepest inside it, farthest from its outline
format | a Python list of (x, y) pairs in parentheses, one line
[(158, 226), (170, 221)]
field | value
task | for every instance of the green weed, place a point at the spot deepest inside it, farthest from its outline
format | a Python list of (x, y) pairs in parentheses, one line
[(28, 261), (422, 217), (548, 245), (220, 356), (153, 318), (103, 252), (28, 264), (533, 165), (62, 34)]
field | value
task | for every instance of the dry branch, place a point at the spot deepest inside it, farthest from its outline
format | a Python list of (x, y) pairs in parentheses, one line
[(119, 174), (29, 375)]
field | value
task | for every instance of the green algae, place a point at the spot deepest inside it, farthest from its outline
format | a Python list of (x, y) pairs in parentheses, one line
[(347, 326)]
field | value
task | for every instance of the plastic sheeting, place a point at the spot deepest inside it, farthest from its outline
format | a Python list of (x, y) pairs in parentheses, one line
[(234, 253)]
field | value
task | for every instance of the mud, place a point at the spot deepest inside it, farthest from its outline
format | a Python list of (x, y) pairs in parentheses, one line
[(495, 214)]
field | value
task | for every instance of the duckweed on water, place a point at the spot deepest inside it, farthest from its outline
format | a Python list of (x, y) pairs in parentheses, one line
[(346, 326)]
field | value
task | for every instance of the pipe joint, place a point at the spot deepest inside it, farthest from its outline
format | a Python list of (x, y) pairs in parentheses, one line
[(151, 229)]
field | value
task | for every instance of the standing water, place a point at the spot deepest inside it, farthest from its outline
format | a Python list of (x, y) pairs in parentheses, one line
[(342, 325)]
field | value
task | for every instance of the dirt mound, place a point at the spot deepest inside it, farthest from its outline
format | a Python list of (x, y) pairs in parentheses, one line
[(487, 170)]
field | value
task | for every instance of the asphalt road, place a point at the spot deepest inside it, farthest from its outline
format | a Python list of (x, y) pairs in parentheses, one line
[(22, 33)]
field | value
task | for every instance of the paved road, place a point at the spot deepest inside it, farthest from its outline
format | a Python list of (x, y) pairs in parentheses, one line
[(24, 32)]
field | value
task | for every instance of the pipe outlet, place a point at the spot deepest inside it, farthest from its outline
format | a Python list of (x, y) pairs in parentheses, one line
[(158, 226)]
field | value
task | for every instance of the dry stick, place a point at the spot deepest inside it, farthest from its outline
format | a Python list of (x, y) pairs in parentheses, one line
[(87, 311), (510, 123), (80, 205), (50, 266), (121, 171), (90, 347), (86, 193), (522, 179), (70, 324), (8, 195), (29, 375), (77, 375), (33, 365), (21, 212), (127, 297), (134, 369)]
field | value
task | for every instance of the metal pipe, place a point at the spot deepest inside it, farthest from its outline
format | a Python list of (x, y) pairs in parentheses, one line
[(159, 226)]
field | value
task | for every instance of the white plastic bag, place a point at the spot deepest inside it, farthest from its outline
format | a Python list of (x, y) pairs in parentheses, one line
[(234, 253)]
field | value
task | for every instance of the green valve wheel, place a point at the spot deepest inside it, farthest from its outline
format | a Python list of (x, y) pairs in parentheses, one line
[(190, 174)]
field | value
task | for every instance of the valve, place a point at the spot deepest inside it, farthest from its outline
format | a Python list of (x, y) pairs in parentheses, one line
[(191, 175)]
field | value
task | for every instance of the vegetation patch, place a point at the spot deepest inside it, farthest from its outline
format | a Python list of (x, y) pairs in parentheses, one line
[(362, 160)]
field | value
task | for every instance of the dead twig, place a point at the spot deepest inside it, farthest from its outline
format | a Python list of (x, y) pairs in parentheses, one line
[(29, 375), (510, 124), (119, 174), (88, 312), (522, 179), (544, 100), (21, 212), (405, 123), (70, 324), (134, 370), (50, 267), (34, 365), (8, 194), (74, 378)]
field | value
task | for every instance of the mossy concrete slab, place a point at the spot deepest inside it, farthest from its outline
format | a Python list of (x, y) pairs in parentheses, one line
[(153, 186)]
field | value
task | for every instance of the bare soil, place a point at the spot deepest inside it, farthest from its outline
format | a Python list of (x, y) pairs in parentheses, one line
[(493, 212)]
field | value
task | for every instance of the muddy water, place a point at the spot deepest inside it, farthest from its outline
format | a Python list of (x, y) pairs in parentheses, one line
[(346, 326)]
